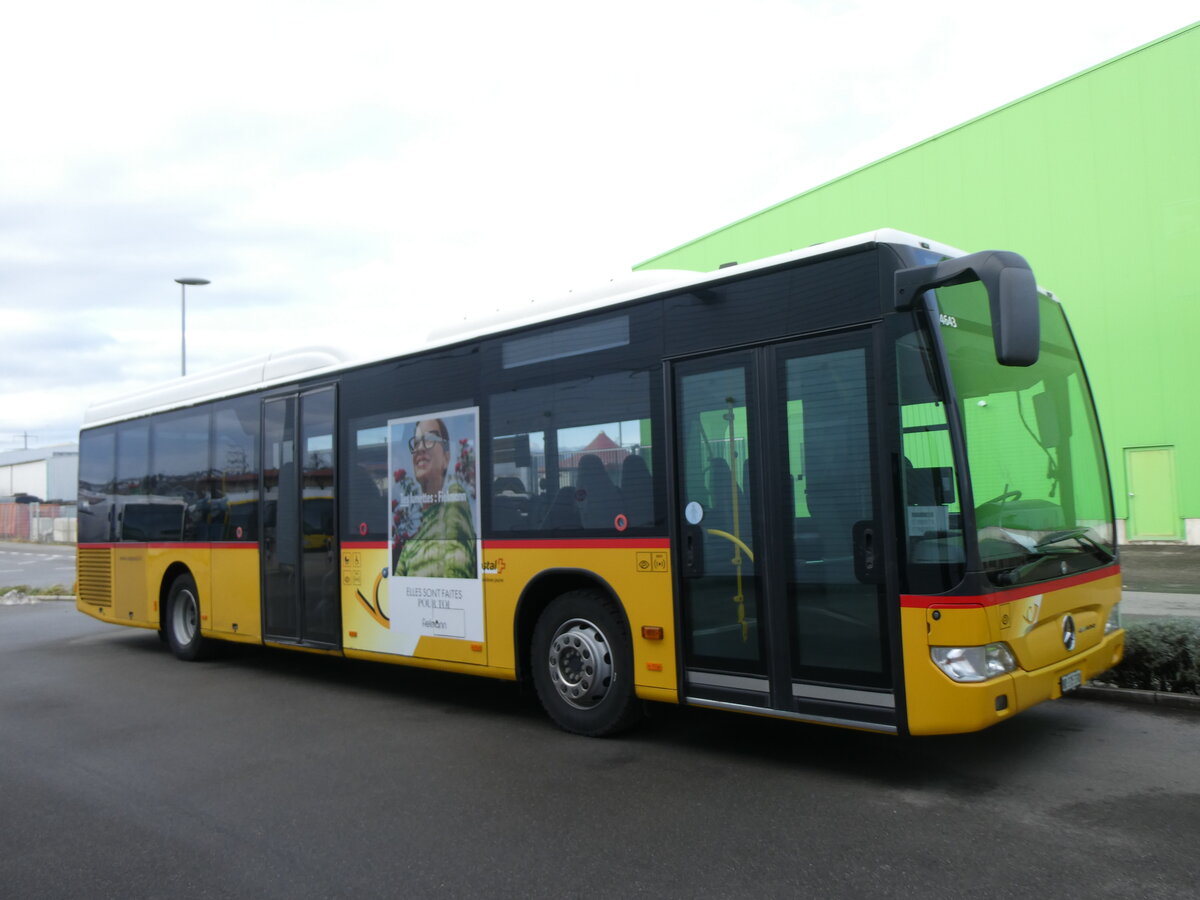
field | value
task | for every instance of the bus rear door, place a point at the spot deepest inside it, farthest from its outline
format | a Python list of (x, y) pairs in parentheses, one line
[(301, 586)]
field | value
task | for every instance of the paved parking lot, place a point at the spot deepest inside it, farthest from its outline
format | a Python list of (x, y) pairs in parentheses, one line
[(36, 565)]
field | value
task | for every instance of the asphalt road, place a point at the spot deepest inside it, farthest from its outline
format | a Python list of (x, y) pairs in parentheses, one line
[(125, 773), (1162, 568), (36, 565)]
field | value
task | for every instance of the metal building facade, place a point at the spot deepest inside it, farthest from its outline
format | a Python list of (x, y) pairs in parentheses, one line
[(1096, 180)]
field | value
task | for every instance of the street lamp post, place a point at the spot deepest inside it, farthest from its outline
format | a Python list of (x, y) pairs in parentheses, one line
[(183, 286)]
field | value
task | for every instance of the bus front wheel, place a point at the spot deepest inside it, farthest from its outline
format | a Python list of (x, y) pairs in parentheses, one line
[(582, 665), (183, 620)]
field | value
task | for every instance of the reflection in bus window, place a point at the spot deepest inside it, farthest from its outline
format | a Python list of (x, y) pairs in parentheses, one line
[(234, 513), (932, 517), (590, 469), (180, 451)]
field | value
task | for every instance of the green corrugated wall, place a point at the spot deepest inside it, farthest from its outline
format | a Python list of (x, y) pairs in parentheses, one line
[(1096, 180)]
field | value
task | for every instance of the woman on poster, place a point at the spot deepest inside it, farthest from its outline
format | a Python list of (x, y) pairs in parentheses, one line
[(444, 544)]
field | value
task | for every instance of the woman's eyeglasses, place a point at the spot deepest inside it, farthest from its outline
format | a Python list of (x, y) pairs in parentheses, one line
[(426, 442)]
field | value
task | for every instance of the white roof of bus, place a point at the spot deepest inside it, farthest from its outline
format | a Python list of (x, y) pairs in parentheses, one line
[(279, 368)]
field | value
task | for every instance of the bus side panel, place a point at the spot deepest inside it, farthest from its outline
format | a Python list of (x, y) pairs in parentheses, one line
[(130, 605), (639, 575), (197, 559), (235, 598), (369, 614)]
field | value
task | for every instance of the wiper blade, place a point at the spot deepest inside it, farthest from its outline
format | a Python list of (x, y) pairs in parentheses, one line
[(1082, 536), (1042, 549)]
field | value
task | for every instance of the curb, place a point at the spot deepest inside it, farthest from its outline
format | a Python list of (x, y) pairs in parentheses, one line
[(1136, 697), (16, 598)]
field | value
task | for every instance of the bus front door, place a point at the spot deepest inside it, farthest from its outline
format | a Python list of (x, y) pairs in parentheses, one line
[(781, 573), (301, 589)]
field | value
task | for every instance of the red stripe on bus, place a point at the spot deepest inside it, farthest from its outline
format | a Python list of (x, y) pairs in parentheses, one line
[(914, 601), (364, 545), (582, 544), (210, 545), (176, 545)]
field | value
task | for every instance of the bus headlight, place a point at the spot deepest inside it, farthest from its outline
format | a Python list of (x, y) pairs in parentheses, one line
[(974, 663), (1114, 619)]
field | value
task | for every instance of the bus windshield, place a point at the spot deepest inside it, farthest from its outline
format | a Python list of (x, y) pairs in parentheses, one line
[(1038, 477)]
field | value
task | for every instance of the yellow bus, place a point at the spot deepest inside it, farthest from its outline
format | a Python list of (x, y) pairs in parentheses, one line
[(860, 484)]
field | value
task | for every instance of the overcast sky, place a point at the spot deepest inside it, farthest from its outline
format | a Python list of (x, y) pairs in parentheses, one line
[(359, 173)]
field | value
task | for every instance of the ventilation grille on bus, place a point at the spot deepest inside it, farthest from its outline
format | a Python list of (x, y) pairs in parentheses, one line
[(95, 575)]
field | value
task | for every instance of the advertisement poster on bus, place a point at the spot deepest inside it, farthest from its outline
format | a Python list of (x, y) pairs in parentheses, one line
[(435, 585)]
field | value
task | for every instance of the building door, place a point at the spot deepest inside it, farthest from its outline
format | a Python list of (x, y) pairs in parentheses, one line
[(301, 591), (780, 566), (1150, 482)]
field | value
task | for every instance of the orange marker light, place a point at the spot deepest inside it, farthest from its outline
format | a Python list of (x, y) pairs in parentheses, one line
[(353, 634), (654, 667), (478, 648), (652, 632)]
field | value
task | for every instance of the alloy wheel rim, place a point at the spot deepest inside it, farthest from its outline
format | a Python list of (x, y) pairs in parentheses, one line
[(580, 663)]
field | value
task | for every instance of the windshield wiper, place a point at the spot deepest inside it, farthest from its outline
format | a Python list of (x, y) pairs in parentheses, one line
[(1080, 535), (1041, 551)]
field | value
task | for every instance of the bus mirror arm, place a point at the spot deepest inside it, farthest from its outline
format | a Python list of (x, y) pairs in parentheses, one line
[(1012, 297)]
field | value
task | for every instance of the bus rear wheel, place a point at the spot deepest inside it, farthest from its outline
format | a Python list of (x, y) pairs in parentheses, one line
[(183, 620), (582, 663)]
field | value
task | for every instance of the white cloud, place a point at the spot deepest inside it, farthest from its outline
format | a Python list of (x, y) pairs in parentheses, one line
[(369, 170)]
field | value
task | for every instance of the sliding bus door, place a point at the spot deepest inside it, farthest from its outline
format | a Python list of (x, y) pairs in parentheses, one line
[(298, 503), (781, 535)]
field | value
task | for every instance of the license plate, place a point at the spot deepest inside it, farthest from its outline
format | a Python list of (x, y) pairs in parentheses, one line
[(1071, 680)]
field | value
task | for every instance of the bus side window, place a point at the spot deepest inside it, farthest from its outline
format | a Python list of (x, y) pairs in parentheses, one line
[(234, 513), (97, 471), (588, 467), (927, 487)]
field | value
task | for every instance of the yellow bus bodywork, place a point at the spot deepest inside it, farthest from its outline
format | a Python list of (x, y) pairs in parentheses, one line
[(1031, 624)]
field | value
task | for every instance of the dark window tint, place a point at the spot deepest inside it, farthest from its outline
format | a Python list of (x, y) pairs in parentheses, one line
[(574, 455), (133, 467), (317, 516), (234, 512), (366, 490), (837, 630), (369, 398), (97, 468), (762, 307), (178, 504), (564, 341), (133, 458)]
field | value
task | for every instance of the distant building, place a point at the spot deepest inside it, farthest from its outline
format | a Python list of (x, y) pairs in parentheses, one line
[(49, 474), (1096, 181)]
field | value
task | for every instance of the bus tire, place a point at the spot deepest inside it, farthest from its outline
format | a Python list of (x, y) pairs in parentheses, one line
[(183, 620), (582, 661)]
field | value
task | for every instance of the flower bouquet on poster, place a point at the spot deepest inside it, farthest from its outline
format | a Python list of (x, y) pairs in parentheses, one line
[(406, 514)]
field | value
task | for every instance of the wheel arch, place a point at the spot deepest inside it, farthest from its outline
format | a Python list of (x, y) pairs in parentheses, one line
[(537, 595), (174, 570)]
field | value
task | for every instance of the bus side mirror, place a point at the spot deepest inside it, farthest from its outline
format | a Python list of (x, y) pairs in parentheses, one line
[(1012, 297)]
